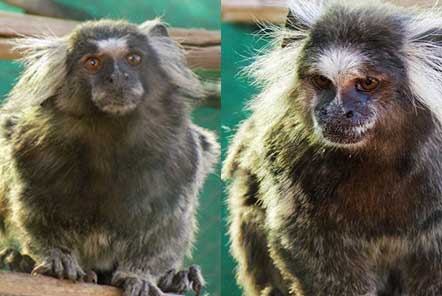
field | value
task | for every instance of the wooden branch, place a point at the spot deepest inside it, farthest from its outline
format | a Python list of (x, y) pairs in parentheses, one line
[(196, 37), (422, 3), (18, 284), (253, 11), (275, 11), (15, 24), (202, 46), (49, 8), (6, 52), (204, 57)]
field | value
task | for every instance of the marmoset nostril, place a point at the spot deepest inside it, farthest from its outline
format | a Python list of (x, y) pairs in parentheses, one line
[(349, 114)]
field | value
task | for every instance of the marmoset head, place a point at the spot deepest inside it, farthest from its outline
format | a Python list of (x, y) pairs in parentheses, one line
[(352, 75), (358, 73), (105, 67), (110, 63)]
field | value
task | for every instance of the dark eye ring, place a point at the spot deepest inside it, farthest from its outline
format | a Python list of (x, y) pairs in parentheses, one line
[(321, 81), (367, 84), (133, 59)]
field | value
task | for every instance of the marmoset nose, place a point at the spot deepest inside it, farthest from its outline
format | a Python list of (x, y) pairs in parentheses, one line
[(342, 112), (118, 77)]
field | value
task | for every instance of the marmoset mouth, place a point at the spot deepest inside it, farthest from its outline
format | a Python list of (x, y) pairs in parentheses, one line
[(118, 103), (118, 109), (345, 134)]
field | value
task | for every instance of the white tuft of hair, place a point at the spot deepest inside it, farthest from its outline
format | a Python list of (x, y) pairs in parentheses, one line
[(307, 11), (423, 50), (173, 61), (274, 70), (44, 59)]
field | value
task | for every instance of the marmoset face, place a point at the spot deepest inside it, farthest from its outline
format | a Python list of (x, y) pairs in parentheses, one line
[(352, 76), (111, 61)]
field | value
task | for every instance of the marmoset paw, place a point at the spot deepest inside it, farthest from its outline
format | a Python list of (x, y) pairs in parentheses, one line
[(135, 286), (62, 264), (183, 281), (14, 261)]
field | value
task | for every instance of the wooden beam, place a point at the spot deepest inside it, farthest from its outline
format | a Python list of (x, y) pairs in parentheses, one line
[(422, 3), (15, 24), (49, 8), (275, 11), (203, 57), (202, 46), (6, 52), (20, 284), (253, 11)]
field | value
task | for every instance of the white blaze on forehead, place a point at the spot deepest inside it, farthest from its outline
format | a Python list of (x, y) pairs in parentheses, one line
[(112, 46), (340, 61)]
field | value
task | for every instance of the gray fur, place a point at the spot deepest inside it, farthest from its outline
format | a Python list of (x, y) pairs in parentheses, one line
[(96, 190), (312, 218)]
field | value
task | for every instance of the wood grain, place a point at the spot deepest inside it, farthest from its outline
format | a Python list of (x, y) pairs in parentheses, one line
[(49, 8), (17, 284), (275, 11), (20, 284), (202, 46)]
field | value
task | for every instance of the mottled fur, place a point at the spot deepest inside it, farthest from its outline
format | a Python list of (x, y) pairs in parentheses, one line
[(312, 218), (117, 193)]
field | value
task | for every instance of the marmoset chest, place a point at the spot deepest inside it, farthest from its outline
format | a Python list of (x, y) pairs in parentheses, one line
[(357, 198), (82, 182)]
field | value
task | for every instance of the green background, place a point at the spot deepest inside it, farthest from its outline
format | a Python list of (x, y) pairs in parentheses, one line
[(179, 13), (239, 46)]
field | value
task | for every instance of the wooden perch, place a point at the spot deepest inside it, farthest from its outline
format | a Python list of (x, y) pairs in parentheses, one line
[(202, 46), (253, 11), (20, 284), (275, 11), (49, 8)]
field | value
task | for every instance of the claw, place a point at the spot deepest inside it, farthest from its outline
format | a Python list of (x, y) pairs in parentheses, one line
[(183, 281), (196, 277), (14, 261), (91, 277), (62, 264), (135, 286)]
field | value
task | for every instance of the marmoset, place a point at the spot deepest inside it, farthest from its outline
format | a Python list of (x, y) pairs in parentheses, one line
[(100, 163), (336, 177)]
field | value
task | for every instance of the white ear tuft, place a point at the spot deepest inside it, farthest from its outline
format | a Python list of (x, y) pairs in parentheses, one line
[(172, 59), (154, 28), (304, 13), (44, 60), (423, 49)]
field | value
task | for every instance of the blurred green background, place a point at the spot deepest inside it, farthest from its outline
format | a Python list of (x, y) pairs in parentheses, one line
[(177, 13), (239, 46)]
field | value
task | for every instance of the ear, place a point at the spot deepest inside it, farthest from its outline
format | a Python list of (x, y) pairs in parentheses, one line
[(301, 17), (154, 28), (294, 24), (159, 30)]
